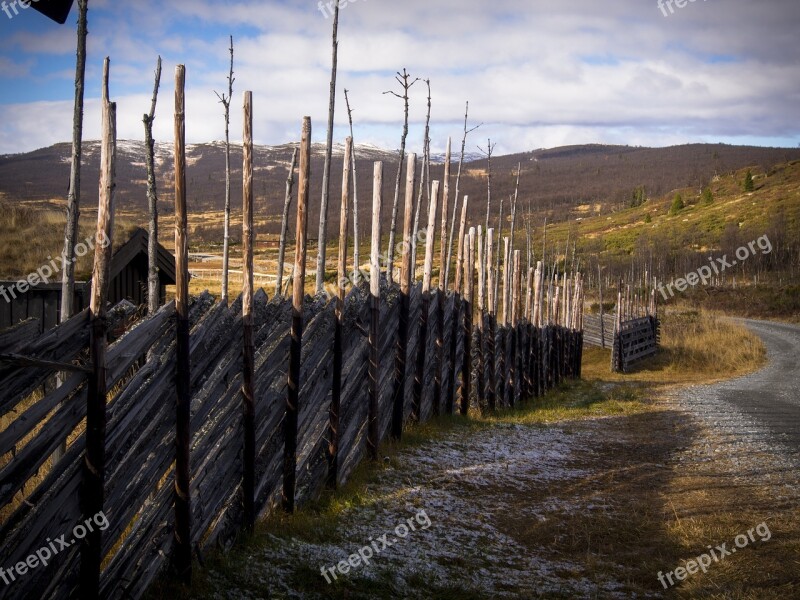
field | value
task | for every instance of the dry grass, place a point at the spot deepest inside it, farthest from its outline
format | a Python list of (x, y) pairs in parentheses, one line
[(696, 346), (32, 233)]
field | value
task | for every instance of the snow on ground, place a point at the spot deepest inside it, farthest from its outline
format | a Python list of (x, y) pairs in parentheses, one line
[(461, 482)]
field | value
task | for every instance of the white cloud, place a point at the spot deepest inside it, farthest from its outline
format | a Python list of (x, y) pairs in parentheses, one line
[(537, 74)]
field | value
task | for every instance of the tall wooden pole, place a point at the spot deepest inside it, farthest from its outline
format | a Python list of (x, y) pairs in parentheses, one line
[(461, 237), (489, 359), (248, 353), (419, 379), (406, 274), (443, 238), (183, 548), (153, 287), (373, 414), (298, 293), (225, 100), (440, 297), (93, 491), (287, 202), (479, 375), (502, 358), (338, 359), (514, 330), (74, 193), (323, 210), (468, 271)]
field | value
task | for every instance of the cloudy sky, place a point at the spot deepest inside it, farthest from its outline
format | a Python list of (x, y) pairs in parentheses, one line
[(536, 73)]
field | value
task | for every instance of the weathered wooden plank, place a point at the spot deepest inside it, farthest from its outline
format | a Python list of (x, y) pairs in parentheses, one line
[(18, 335)]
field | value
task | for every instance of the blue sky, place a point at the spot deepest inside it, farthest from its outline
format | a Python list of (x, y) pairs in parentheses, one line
[(536, 74)]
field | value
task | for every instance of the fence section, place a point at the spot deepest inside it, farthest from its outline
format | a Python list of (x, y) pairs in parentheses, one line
[(140, 443)]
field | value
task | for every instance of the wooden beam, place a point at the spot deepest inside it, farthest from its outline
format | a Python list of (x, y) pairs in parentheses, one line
[(422, 343), (406, 274), (298, 294), (373, 415), (248, 353), (336, 388), (183, 513), (93, 492)]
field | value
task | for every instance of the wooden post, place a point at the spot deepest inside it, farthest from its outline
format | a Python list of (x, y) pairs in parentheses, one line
[(287, 202), (298, 293), (419, 378), (94, 459), (375, 311), (469, 289), (537, 328), (479, 375), (406, 274), (527, 327), (323, 211), (460, 253), (443, 242), (506, 304), (153, 284), (512, 355), (600, 292), (183, 549), (456, 302), (491, 395), (501, 357), (248, 354), (336, 388)]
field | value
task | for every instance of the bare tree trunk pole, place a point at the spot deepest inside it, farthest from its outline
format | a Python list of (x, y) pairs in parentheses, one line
[(336, 388), (373, 433), (248, 352), (287, 202), (74, 193), (443, 240), (461, 234), (426, 177), (406, 275), (419, 376), (488, 152), (93, 490), (355, 188), (499, 254), (455, 201), (326, 184), (183, 512), (298, 294), (153, 287), (226, 102), (402, 78)]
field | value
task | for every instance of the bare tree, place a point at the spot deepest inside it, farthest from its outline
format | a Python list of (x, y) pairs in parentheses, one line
[(455, 201), (424, 183), (498, 255), (355, 185), (403, 79), (326, 181), (153, 289), (74, 193), (226, 102), (513, 225), (488, 153), (287, 202)]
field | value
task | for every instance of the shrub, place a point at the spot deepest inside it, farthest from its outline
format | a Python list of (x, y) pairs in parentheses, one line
[(677, 205)]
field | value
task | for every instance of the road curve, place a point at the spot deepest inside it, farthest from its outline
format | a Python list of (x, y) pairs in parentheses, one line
[(763, 406)]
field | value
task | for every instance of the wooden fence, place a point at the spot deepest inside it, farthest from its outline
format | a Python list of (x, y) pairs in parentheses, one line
[(140, 436), (597, 332), (635, 340), (203, 417)]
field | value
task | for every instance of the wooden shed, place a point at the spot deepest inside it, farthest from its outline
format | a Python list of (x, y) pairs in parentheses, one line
[(128, 282)]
